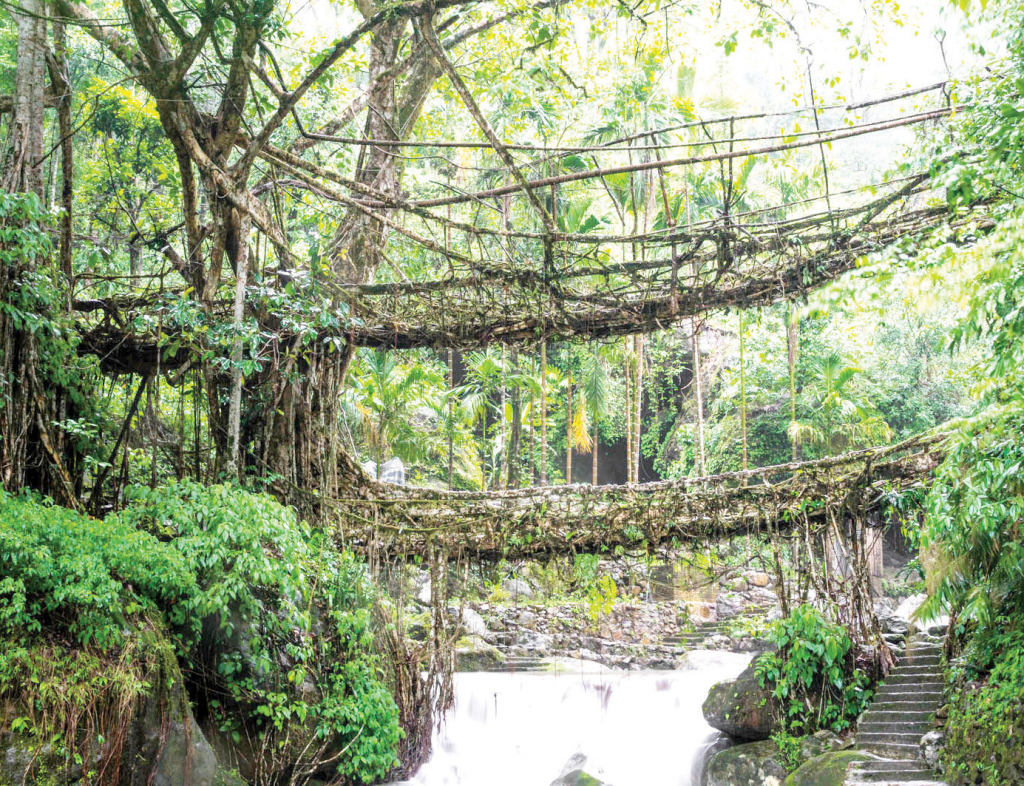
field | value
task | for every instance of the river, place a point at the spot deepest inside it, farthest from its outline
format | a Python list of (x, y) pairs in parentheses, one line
[(638, 728)]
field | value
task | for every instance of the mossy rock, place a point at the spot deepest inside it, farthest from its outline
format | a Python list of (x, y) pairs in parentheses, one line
[(159, 741), (750, 764), (742, 708), (828, 769)]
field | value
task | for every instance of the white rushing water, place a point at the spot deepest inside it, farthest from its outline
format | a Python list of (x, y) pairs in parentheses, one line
[(634, 728)]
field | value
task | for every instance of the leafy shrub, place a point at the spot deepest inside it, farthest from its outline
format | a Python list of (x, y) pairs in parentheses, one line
[(813, 673), (285, 618), (972, 529), (986, 716), (270, 619), (65, 571), (789, 748)]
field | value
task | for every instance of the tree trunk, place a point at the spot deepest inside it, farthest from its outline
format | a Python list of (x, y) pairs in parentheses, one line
[(792, 347), (23, 170), (32, 452), (743, 391), (451, 418), (568, 429), (627, 368), (639, 408), (235, 407), (517, 428), (700, 458), (502, 470), (593, 457), (543, 413)]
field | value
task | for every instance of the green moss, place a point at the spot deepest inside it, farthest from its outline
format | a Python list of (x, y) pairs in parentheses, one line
[(828, 769)]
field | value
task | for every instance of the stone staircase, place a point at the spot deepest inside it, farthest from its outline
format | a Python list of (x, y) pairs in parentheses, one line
[(694, 638), (902, 712), (515, 658)]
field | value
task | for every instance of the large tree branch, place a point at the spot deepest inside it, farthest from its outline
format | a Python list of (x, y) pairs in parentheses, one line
[(341, 46), (110, 37)]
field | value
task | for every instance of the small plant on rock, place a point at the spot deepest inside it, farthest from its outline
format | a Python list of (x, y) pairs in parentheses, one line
[(812, 674)]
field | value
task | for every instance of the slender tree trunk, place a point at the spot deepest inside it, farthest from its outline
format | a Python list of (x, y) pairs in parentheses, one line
[(543, 413), (532, 460), (792, 348), (235, 407), (502, 470), (451, 417), (700, 457), (627, 368), (517, 428), (568, 428), (639, 405), (596, 426), (743, 390)]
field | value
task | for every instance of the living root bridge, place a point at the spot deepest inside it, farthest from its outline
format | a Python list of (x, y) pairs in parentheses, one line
[(551, 520)]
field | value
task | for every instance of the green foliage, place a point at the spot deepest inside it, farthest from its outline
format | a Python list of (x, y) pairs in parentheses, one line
[(64, 570), (813, 673), (600, 597), (986, 716), (293, 645), (789, 748), (974, 513), (838, 420), (271, 619), (35, 302)]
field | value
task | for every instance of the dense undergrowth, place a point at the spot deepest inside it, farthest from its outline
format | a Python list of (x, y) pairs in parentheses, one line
[(269, 623)]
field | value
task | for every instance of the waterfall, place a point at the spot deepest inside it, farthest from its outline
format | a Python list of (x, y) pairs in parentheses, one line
[(641, 728)]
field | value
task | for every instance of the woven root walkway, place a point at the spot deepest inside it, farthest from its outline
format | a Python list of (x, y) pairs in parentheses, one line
[(549, 520)]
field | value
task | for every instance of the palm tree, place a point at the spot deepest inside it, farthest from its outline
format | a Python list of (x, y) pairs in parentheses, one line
[(838, 421), (585, 431), (385, 393)]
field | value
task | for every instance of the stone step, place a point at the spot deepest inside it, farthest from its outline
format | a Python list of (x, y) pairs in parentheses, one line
[(876, 715), (908, 667), (895, 729), (886, 765), (916, 659), (895, 678), (910, 684), (884, 745), (913, 706), (919, 777)]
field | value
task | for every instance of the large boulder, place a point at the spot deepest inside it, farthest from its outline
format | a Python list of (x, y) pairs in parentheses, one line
[(517, 588), (475, 654), (573, 773), (828, 769), (473, 624), (750, 764), (742, 708), (155, 740), (729, 605)]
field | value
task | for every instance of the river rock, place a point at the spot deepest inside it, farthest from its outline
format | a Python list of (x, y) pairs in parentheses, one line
[(473, 624), (729, 605), (742, 708), (932, 744), (705, 659), (475, 654), (908, 607), (573, 773), (828, 769), (750, 764), (517, 588), (162, 743)]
